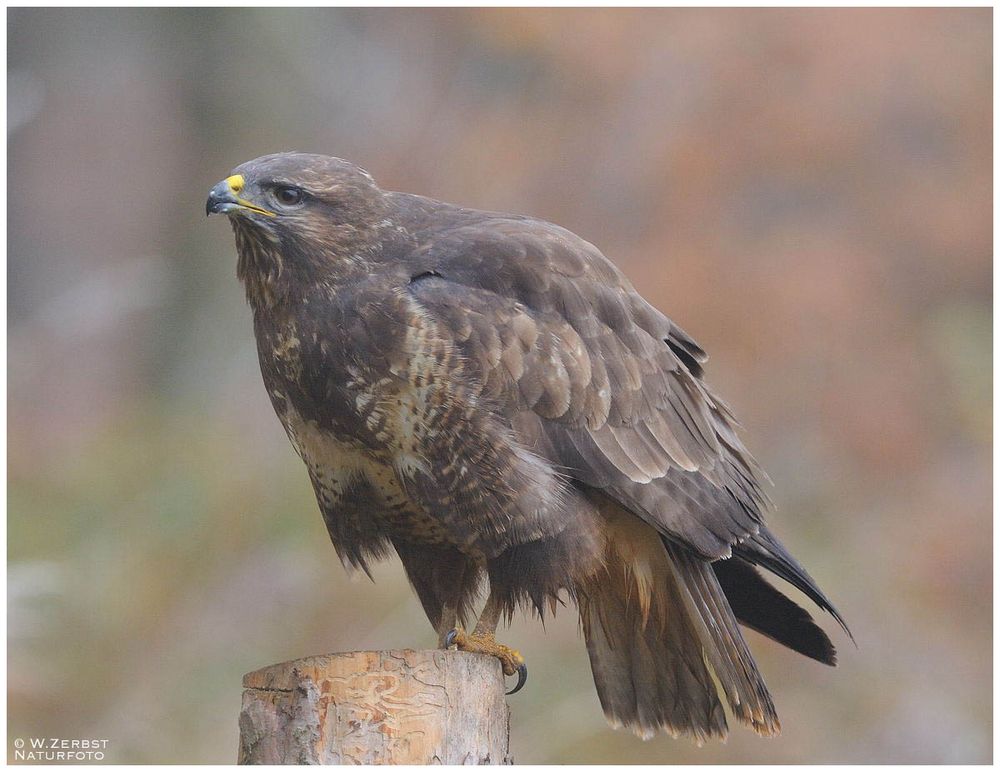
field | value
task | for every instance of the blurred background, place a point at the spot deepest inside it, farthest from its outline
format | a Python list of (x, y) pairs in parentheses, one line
[(808, 192)]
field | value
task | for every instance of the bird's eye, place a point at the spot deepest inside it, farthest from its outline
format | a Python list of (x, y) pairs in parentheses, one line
[(288, 195)]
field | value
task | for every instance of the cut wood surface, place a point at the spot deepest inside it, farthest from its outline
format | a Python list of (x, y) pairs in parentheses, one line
[(376, 707)]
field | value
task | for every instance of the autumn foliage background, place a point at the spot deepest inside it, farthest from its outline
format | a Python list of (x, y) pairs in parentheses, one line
[(808, 192)]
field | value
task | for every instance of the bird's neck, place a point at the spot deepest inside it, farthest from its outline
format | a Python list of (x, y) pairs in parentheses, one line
[(260, 267), (277, 276)]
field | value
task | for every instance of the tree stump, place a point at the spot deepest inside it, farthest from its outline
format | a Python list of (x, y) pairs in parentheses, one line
[(376, 707)]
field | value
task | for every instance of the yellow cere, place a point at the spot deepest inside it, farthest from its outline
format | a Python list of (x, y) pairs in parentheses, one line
[(235, 183)]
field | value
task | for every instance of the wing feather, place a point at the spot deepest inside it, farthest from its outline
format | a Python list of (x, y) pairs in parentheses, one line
[(557, 331)]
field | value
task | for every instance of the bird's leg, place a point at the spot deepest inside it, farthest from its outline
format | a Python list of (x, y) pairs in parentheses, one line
[(489, 617), (483, 641), (449, 622)]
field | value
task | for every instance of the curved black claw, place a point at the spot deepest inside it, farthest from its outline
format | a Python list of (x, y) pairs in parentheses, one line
[(449, 639), (522, 679)]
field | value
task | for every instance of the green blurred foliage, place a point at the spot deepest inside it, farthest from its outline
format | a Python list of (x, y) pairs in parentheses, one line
[(808, 192)]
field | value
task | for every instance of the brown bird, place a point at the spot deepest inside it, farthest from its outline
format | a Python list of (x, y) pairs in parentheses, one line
[(488, 396)]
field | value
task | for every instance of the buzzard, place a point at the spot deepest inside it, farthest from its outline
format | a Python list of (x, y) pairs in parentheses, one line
[(490, 398)]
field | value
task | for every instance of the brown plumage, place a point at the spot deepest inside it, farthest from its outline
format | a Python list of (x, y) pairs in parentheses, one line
[(489, 397)]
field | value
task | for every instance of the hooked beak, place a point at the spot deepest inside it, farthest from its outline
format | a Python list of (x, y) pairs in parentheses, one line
[(224, 198)]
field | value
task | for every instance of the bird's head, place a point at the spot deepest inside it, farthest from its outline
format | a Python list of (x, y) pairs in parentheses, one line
[(299, 216)]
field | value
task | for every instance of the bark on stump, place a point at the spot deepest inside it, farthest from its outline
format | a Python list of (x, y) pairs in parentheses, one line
[(376, 707)]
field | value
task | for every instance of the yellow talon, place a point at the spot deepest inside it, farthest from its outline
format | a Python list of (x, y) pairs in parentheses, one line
[(510, 659)]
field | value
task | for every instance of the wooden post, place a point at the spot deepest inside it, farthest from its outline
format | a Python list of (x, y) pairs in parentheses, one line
[(376, 707)]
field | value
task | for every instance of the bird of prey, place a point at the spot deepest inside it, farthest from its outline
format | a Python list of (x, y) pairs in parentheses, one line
[(488, 396)]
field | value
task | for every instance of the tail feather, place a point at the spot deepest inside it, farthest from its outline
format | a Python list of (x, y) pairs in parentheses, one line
[(663, 640), (649, 678), (724, 646)]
